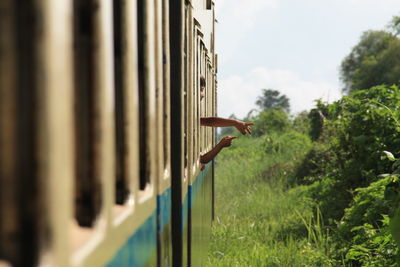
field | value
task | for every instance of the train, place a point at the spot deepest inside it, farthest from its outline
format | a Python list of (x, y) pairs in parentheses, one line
[(100, 132)]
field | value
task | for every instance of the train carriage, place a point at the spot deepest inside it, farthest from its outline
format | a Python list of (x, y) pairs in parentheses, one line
[(99, 132)]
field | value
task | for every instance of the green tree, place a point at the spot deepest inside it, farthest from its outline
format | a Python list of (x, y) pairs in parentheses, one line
[(272, 99), (394, 25), (271, 120), (373, 61)]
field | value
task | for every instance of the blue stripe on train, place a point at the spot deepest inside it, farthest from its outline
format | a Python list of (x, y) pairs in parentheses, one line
[(139, 247), (164, 209), (195, 188), (142, 244)]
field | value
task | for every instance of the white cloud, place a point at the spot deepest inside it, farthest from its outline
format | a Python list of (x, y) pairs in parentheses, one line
[(238, 93)]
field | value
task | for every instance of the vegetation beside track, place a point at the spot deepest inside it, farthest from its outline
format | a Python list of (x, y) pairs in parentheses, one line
[(321, 188), (312, 192), (261, 220)]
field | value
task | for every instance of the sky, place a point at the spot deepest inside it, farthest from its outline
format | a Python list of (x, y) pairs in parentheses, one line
[(293, 46)]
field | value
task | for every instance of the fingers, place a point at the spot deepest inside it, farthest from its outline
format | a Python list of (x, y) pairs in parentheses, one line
[(227, 140), (245, 127), (202, 166), (247, 130)]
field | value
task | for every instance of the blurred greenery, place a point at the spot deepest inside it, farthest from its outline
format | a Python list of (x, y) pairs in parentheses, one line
[(272, 99)]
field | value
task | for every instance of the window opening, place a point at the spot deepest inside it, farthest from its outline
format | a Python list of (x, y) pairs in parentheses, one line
[(87, 185), (143, 96), (121, 185)]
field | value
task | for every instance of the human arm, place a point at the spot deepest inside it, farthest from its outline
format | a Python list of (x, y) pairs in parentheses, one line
[(243, 127), (225, 142)]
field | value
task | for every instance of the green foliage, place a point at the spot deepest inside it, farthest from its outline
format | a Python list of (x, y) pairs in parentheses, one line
[(289, 141), (301, 123), (272, 99), (343, 172), (373, 247), (271, 121), (259, 220), (364, 229), (373, 61), (394, 25), (331, 202), (317, 164), (367, 208), (317, 118), (365, 126)]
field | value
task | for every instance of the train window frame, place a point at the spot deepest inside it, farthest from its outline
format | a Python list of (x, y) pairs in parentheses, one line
[(147, 96)]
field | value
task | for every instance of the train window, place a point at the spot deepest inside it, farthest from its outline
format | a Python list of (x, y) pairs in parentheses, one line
[(20, 192), (121, 185), (87, 185), (143, 96), (208, 4)]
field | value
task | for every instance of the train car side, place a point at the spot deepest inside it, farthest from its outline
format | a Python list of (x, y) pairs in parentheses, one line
[(99, 132)]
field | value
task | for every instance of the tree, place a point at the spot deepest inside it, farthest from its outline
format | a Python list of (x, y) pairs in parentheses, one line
[(373, 61), (272, 99), (394, 25), (271, 120)]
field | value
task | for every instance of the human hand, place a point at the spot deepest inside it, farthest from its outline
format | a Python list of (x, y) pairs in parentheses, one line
[(202, 166), (227, 141), (244, 127)]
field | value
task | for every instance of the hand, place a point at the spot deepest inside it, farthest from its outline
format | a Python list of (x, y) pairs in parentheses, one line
[(226, 141), (244, 127), (202, 166)]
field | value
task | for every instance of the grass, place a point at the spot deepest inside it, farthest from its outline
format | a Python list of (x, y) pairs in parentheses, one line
[(261, 219)]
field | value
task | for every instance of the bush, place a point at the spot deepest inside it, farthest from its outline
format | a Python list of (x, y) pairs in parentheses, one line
[(343, 172), (290, 142), (364, 230), (270, 121)]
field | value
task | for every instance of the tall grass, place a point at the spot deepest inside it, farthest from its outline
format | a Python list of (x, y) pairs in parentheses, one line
[(261, 219)]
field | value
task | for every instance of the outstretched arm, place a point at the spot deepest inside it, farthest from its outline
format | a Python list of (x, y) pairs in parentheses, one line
[(225, 142), (243, 127)]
